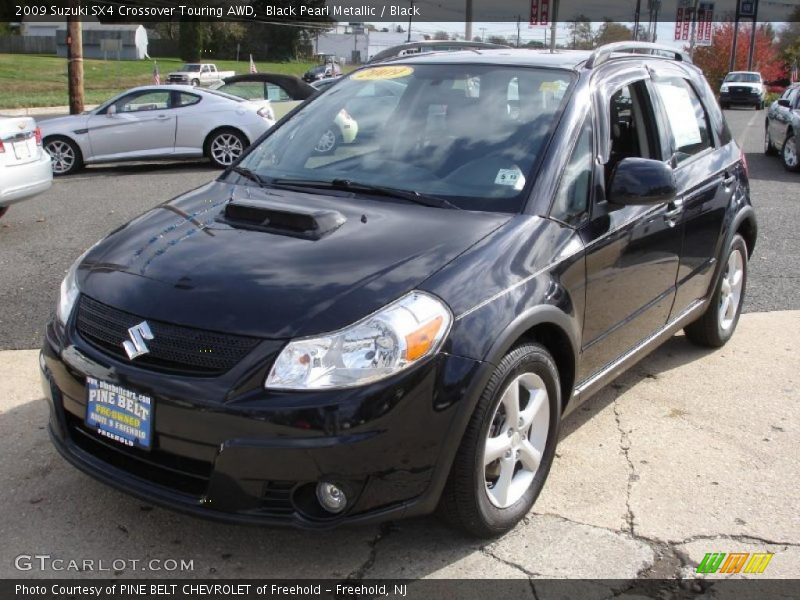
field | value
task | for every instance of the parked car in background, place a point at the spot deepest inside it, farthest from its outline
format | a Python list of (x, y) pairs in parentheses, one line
[(280, 92), (195, 74), (328, 67), (156, 122), (742, 88), (24, 165), (782, 128), (424, 46), (403, 325)]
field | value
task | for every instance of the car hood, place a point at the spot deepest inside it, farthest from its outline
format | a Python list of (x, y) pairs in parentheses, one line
[(67, 123), (182, 263), (747, 84)]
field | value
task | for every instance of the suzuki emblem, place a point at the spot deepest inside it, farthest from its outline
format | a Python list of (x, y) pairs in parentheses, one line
[(136, 345)]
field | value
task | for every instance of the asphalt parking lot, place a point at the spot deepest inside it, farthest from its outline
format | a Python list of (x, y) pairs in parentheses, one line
[(690, 452)]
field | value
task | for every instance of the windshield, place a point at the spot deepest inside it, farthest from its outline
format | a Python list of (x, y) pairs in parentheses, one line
[(468, 134), (191, 68), (743, 77)]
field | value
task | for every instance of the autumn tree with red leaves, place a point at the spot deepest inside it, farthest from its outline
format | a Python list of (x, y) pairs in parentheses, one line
[(714, 60)]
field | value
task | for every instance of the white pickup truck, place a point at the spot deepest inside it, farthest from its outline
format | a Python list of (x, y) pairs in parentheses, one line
[(198, 74)]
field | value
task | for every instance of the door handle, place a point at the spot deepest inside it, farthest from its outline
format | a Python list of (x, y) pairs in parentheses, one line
[(674, 209), (162, 117), (729, 181)]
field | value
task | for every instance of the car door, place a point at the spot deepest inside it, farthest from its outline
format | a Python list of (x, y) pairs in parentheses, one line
[(632, 252), (706, 177), (781, 116), (139, 124)]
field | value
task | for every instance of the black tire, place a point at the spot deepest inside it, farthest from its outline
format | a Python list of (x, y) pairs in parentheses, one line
[(59, 147), (465, 501), (195, 82), (233, 138), (707, 330), (724, 105), (328, 141), (760, 105), (789, 153), (769, 147), (3, 210)]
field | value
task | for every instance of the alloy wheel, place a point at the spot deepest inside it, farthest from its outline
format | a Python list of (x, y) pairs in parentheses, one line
[(790, 152), (516, 440), (731, 290), (62, 155), (226, 148)]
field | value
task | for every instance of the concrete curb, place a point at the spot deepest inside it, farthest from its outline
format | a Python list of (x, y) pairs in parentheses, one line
[(40, 110)]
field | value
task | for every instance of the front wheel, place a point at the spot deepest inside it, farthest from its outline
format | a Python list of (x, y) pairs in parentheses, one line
[(508, 447), (64, 154), (195, 82), (769, 148), (719, 322), (3, 210), (328, 142), (789, 153), (225, 146)]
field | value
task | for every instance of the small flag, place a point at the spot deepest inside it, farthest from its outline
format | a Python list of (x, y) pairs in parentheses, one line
[(252, 65), (156, 74)]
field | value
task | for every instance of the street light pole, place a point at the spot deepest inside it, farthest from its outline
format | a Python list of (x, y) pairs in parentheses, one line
[(408, 39)]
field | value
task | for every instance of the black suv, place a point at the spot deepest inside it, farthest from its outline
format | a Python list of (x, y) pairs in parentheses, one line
[(402, 324)]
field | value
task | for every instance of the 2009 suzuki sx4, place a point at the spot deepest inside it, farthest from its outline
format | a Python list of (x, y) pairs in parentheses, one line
[(396, 321)]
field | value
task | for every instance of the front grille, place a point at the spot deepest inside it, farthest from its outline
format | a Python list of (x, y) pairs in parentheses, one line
[(185, 475), (173, 348), (276, 498)]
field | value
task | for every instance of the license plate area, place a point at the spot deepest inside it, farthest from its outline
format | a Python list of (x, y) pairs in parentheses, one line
[(21, 150), (119, 414)]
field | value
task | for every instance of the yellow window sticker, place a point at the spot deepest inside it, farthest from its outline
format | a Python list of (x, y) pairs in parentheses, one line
[(550, 86), (388, 72)]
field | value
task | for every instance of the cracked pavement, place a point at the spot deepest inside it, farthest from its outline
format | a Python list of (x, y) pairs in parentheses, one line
[(692, 451)]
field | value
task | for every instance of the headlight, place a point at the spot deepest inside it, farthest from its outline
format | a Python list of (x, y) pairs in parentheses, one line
[(386, 342), (69, 288), (69, 293), (724, 89)]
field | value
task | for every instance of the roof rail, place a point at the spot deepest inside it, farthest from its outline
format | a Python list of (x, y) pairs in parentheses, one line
[(603, 53)]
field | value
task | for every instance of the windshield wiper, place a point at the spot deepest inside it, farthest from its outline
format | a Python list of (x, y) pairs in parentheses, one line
[(251, 175), (367, 188)]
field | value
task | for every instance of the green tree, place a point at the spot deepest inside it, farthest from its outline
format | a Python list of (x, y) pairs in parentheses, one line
[(498, 39), (580, 34), (441, 35), (611, 31), (287, 39), (191, 40)]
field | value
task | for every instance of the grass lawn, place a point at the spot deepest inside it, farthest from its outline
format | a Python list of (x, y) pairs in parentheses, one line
[(28, 80)]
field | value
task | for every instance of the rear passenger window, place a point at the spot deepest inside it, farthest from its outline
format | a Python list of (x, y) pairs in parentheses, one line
[(686, 117), (185, 99), (572, 198)]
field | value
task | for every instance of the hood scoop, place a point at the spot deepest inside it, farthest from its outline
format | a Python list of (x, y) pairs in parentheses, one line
[(276, 218)]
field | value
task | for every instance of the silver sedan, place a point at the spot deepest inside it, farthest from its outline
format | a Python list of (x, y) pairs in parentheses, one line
[(156, 122)]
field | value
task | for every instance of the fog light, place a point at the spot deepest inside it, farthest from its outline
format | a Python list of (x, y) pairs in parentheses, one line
[(331, 497)]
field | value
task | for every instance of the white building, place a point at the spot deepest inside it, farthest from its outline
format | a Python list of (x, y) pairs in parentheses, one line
[(132, 39), (354, 44)]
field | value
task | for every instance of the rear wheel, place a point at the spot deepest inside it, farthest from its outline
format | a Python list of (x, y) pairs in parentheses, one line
[(195, 82), (508, 447), (789, 153), (719, 322), (64, 154), (225, 146), (3, 210)]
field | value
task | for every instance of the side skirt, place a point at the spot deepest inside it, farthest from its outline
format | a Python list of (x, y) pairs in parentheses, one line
[(594, 383)]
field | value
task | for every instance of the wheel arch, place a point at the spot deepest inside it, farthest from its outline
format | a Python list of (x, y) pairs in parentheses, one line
[(552, 328)]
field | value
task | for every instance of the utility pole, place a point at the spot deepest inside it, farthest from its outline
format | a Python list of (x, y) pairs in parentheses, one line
[(752, 52), (518, 33), (636, 19), (483, 34), (693, 35), (468, 22), (553, 20), (75, 60), (408, 39), (732, 65)]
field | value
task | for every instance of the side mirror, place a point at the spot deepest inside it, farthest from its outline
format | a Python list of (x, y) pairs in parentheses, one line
[(111, 110), (641, 181), (784, 102)]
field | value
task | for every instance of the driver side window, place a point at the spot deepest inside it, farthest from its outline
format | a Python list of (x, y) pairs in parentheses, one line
[(150, 100)]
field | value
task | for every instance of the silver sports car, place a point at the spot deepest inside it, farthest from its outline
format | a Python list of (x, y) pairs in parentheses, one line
[(156, 122)]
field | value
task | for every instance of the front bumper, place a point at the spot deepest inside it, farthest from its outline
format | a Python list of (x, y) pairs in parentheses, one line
[(256, 456), (740, 98), (23, 181)]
